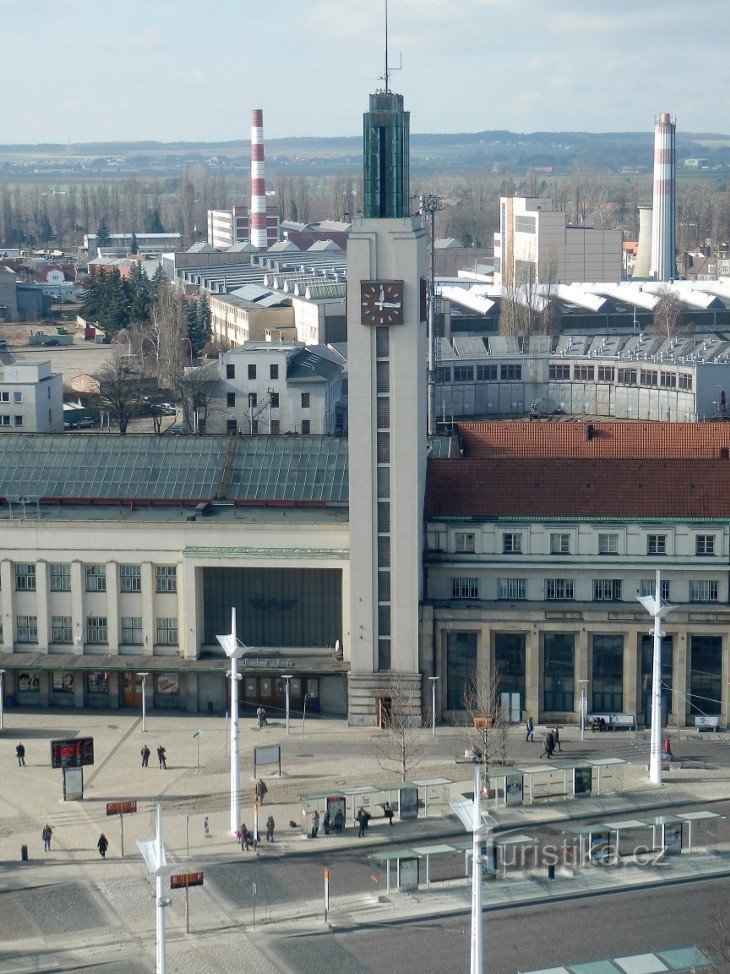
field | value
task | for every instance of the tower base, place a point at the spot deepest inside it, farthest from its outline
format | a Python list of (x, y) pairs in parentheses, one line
[(373, 696)]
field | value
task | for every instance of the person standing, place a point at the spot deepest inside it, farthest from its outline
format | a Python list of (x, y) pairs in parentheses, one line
[(363, 818), (315, 823), (46, 835), (102, 845), (667, 749), (145, 752), (556, 740), (270, 826), (530, 731), (388, 812), (327, 822), (20, 754), (339, 821), (261, 717), (161, 757)]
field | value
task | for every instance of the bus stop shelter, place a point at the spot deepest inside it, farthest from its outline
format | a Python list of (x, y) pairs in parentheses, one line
[(530, 783), (405, 797)]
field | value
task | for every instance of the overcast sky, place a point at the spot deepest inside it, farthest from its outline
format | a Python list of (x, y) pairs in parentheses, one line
[(93, 70)]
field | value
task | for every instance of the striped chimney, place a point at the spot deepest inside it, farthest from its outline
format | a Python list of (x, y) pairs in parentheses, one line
[(663, 263), (257, 215)]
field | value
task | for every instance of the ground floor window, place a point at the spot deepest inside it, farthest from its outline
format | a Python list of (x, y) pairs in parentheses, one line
[(608, 674), (706, 675), (667, 672), (461, 667), (558, 671)]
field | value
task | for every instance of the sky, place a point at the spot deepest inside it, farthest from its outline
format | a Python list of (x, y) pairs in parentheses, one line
[(169, 70)]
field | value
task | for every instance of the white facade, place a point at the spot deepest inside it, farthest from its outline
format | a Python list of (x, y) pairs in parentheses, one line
[(235, 320), (387, 449), (120, 243), (31, 398), (535, 244)]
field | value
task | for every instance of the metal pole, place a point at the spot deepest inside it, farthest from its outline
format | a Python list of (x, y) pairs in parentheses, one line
[(476, 877), (144, 701), (187, 908), (2, 699), (655, 759), (304, 710), (287, 680), (161, 967), (433, 680), (235, 772), (253, 909), (121, 826), (187, 835)]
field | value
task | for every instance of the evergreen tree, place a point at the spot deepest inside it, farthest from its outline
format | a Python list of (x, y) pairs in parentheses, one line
[(204, 317), (141, 296), (134, 246), (153, 221), (102, 233), (158, 282)]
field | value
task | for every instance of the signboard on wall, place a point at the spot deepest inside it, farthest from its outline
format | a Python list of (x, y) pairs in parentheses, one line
[(97, 683), (168, 683), (63, 683), (28, 682)]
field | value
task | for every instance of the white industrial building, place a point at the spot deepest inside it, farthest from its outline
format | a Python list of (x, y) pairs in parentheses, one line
[(120, 244), (31, 398), (536, 243)]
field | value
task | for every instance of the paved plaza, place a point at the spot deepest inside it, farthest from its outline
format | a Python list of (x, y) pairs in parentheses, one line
[(68, 907)]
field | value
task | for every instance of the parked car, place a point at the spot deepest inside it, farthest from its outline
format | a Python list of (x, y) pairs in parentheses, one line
[(50, 342), (168, 409), (86, 422)]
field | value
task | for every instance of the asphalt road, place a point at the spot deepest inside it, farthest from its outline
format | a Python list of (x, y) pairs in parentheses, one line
[(516, 941)]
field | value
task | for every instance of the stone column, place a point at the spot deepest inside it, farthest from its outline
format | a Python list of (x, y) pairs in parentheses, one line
[(725, 685), (114, 691), (78, 621), (44, 686), (191, 614), (191, 692), (582, 670), (42, 603), (8, 602), (680, 681), (113, 621), (148, 608), (79, 678), (533, 674), (631, 671)]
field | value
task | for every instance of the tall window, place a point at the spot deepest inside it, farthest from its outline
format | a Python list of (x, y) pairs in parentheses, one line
[(512, 588), (95, 578), (252, 371), (306, 427), (166, 578), (509, 662), (130, 578), (60, 578), (606, 589), (703, 590), (705, 544), (607, 544), (461, 667), (96, 630), (273, 371), (647, 586), (558, 671), (167, 632), (230, 399), (511, 544), (27, 629), (274, 398), (230, 371), (25, 577), (559, 544), (558, 589), (465, 542), (132, 631), (656, 544), (305, 400), (61, 630), (608, 674), (706, 675), (464, 588), (647, 673)]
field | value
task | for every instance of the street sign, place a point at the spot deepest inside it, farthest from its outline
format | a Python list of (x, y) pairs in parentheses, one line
[(121, 808), (186, 879), (73, 753)]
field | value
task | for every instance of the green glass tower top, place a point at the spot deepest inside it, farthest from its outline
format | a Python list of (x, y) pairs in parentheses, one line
[(386, 147)]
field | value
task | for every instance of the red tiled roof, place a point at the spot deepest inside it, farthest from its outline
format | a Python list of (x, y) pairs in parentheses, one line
[(546, 488), (608, 439)]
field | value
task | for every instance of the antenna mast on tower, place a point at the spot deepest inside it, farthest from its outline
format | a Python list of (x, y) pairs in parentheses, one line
[(388, 69)]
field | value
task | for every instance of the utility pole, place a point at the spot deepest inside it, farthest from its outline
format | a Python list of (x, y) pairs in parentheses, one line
[(653, 605), (430, 206)]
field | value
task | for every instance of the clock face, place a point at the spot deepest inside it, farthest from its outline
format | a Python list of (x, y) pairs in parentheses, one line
[(381, 302)]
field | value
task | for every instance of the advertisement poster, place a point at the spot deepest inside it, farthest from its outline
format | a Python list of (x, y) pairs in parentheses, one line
[(583, 781), (63, 683), (408, 798), (673, 838), (97, 682), (28, 683), (513, 789), (168, 683)]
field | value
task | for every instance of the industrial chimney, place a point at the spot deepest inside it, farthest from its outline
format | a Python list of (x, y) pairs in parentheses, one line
[(663, 263), (257, 216), (642, 265)]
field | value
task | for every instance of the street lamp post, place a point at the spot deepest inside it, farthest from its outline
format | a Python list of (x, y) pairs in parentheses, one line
[(653, 605), (287, 678), (477, 947), (233, 649), (433, 680), (2, 699), (583, 707), (144, 701), (153, 851)]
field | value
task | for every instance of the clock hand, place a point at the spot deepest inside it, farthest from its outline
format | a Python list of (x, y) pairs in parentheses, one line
[(382, 294), (388, 304)]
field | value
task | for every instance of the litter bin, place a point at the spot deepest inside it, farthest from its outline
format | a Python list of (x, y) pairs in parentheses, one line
[(24, 853), (551, 872), (9, 702)]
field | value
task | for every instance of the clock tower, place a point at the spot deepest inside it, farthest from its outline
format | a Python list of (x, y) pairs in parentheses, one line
[(387, 361)]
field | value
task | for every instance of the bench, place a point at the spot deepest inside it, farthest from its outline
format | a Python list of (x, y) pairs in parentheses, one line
[(705, 723), (608, 721)]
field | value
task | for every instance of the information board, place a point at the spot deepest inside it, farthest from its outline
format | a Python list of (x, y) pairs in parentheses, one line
[(186, 879), (73, 753)]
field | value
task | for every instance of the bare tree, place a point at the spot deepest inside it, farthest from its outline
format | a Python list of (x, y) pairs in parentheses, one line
[(197, 389), (167, 335), (121, 389), (720, 945), (488, 722), (669, 316), (401, 745)]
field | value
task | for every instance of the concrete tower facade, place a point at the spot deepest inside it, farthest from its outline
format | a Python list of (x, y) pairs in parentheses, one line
[(258, 181), (387, 359), (642, 267), (663, 262)]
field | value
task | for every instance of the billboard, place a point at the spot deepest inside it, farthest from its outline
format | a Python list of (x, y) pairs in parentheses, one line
[(72, 753), (186, 879)]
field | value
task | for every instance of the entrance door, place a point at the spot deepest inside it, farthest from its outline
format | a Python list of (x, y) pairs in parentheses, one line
[(131, 690), (511, 706), (385, 711)]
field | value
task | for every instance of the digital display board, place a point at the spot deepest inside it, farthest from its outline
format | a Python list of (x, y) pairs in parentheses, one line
[(73, 753)]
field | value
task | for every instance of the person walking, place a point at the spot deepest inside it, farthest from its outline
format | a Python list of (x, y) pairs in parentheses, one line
[(339, 821), (315, 823), (667, 749), (20, 754), (260, 791), (556, 740), (261, 717), (102, 845), (548, 746), (145, 752), (530, 731), (363, 818), (244, 837), (327, 822), (388, 812), (46, 836), (161, 757), (270, 826)]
